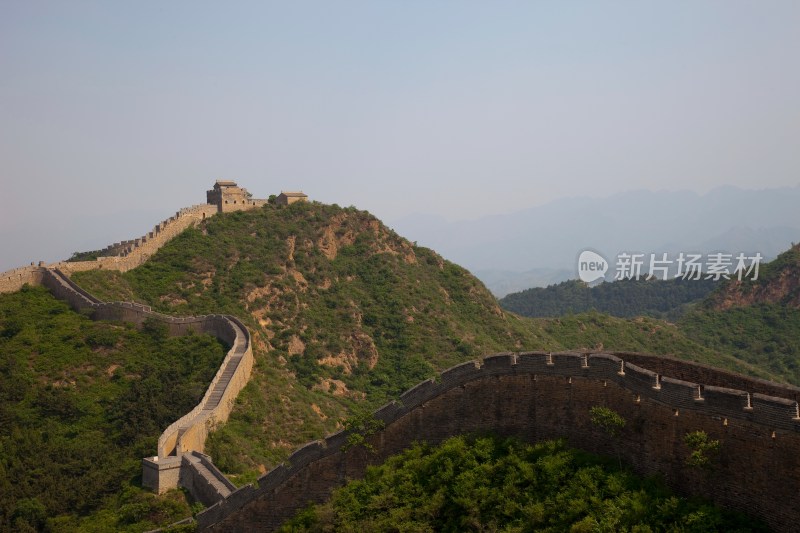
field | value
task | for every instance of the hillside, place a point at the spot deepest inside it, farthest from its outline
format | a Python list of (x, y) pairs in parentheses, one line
[(626, 298), (757, 321), (344, 312), (778, 283), (80, 403)]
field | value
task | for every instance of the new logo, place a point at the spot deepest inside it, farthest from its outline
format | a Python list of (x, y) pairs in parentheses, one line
[(591, 266)]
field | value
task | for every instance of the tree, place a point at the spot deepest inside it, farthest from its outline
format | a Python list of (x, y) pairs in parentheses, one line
[(360, 426), (611, 423), (703, 449)]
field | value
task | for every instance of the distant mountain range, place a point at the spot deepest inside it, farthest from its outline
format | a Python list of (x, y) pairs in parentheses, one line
[(539, 246)]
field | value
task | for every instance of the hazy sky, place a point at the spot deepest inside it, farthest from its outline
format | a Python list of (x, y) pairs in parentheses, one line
[(456, 108)]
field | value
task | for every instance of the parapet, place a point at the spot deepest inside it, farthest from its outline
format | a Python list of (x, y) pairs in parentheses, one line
[(767, 412)]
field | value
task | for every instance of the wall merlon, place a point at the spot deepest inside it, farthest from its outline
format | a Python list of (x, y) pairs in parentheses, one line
[(335, 440), (605, 366), (567, 363), (388, 413), (724, 401), (306, 454), (419, 394), (498, 363), (679, 393), (460, 373), (777, 412), (533, 362), (274, 477), (640, 379)]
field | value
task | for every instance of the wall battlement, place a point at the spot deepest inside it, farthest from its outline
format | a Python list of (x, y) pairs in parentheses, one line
[(538, 395)]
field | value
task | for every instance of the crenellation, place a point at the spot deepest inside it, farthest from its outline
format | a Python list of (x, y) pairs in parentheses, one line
[(273, 478), (679, 393), (498, 363), (532, 361), (554, 405), (777, 412), (640, 379), (567, 363), (460, 373), (306, 454), (725, 401), (388, 413), (418, 394), (338, 439)]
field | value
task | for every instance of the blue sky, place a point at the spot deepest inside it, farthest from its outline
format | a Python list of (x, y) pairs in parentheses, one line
[(454, 108)]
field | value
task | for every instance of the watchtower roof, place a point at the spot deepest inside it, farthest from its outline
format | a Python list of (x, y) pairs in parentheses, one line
[(225, 183), (294, 193)]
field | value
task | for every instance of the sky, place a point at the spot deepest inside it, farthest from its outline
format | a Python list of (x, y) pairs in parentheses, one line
[(115, 114)]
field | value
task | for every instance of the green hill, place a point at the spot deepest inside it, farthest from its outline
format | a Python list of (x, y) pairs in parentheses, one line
[(755, 321), (81, 402), (344, 312), (626, 298)]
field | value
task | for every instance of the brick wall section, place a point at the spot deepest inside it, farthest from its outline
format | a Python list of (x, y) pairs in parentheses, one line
[(189, 433), (538, 396), (203, 479), (13, 280), (130, 254), (167, 469)]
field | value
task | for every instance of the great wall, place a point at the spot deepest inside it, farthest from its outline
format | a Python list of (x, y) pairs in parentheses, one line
[(531, 395)]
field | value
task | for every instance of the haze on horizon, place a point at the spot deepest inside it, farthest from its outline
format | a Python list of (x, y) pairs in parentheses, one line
[(113, 116)]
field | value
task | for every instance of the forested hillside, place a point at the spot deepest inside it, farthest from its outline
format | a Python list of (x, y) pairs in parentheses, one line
[(81, 402), (756, 321), (626, 298)]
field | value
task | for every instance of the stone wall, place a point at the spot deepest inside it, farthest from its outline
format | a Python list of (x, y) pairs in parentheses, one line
[(538, 396), (13, 280), (189, 433), (203, 479), (131, 253)]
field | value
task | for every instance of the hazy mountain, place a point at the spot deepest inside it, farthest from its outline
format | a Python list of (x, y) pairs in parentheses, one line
[(504, 282), (552, 235)]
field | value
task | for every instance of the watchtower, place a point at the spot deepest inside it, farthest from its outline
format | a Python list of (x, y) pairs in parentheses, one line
[(228, 196), (290, 197)]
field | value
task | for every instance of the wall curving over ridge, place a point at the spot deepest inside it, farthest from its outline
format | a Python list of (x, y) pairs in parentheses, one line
[(538, 396), (129, 254), (166, 470), (171, 467)]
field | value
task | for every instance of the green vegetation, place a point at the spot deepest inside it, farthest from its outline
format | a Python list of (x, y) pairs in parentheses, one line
[(608, 420), (345, 313), (81, 402), (492, 484), (765, 335), (85, 256), (626, 298), (361, 425), (756, 321), (611, 423), (703, 449)]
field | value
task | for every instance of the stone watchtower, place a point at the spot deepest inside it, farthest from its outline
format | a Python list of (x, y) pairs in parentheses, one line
[(228, 196), (290, 197)]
